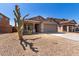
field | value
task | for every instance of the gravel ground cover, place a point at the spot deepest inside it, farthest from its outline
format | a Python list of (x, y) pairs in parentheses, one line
[(48, 45)]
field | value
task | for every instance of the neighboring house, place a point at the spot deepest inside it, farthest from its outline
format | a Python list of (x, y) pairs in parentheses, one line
[(40, 25), (5, 26), (77, 28), (66, 25)]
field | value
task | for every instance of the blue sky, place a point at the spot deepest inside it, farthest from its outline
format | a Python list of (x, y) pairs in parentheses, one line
[(56, 10)]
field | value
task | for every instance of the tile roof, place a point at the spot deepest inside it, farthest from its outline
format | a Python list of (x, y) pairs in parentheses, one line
[(57, 20), (4, 15), (38, 18)]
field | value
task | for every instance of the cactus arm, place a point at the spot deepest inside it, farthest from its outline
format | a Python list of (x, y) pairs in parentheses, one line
[(15, 14), (18, 12), (25, 16), (15, 23), (19, 21)]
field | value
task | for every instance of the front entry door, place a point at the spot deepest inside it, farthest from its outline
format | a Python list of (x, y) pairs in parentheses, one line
[(36, 28)]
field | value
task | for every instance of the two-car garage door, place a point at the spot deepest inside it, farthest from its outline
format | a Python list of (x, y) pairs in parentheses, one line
[(50, 28)]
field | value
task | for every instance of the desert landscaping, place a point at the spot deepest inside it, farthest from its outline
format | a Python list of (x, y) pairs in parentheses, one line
[(47, 45)]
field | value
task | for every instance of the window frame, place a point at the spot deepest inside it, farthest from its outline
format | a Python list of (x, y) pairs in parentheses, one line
[(1, 17)]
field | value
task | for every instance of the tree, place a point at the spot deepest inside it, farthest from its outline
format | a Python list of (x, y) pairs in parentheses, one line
[(19, 21), (19, 24)]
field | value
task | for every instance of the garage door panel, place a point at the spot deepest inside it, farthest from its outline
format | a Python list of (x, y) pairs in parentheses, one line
[(50, 28)]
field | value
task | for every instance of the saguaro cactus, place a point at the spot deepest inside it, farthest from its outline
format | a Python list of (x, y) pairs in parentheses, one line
[(19, 21)]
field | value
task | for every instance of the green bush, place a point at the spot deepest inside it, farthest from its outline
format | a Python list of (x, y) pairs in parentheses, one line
[(29, 32)]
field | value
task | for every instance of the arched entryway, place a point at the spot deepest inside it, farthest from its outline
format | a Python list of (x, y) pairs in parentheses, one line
[(37, 28)]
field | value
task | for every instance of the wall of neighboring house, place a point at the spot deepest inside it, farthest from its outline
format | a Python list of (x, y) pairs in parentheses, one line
[(66, 28), (4, 25), (60, 28)]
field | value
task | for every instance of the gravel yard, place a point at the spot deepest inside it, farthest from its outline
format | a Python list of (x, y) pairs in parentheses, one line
[(48, 45)]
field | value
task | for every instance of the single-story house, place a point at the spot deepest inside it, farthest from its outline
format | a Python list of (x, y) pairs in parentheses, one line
[(39, 24), (66, 25), (77, 28)]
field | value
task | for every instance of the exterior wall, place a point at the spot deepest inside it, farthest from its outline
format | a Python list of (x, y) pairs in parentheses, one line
[(76, 29), (60, 28), (33, 28), (44, 26), (65, 28), (4, 25), (48, 27)]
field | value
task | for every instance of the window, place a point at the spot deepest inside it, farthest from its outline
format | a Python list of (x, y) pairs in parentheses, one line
[(0, 17), (30, 27), (7, 19), (0, 30), (6, 30)]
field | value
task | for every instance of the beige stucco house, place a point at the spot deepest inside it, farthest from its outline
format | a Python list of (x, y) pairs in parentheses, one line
[(66, 25), (39, 24)]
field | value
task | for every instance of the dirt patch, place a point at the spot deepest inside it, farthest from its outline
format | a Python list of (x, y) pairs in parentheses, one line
[(46, 44)]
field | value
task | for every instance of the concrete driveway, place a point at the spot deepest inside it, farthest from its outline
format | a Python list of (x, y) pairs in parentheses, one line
[(72, 36)]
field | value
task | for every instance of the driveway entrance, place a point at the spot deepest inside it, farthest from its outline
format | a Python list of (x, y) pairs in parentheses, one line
[(72, 36)]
